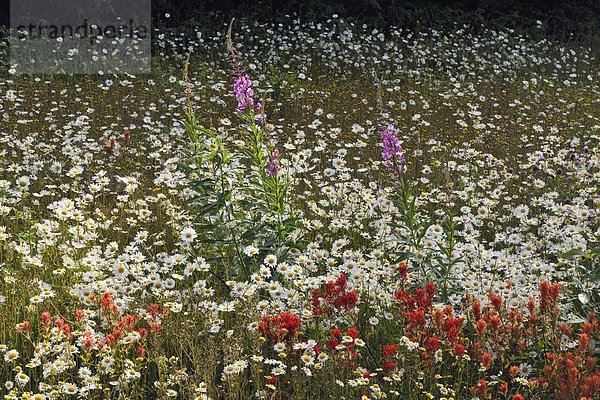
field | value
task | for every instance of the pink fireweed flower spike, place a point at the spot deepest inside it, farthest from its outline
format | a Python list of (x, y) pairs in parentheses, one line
[(273, 164), (244, 94), (391, 152)]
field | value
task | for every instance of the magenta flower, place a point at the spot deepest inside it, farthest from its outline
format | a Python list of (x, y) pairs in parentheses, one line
[(244, 94), (392, 152), (272, 166)]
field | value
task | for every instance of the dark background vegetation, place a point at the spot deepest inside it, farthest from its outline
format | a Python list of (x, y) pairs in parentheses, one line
[(562, 19)]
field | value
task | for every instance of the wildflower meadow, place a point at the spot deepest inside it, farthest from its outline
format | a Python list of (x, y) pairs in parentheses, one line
[(305, 210)]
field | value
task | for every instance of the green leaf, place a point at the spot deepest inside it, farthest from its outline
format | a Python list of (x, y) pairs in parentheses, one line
[(403, 256), (572, 254), (252, 232)]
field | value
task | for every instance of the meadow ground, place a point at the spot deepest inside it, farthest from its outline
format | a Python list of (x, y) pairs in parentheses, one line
[(405, 215)]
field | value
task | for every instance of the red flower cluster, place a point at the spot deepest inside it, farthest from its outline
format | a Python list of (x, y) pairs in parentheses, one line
[(107, 305), (125, 324), (46, 320), (572, 376), (349, 350), (118, 327), (112, 143), (335, 296), (480, 389), (388, 353), (507, 333), (433, 328), (415, 309), (282, 327), (548, 295), (496, 337), (403, 270), (23, 326), (64, 327)]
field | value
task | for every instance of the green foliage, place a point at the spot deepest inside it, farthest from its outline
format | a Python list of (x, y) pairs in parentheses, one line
[(430, 263), (238, 201)]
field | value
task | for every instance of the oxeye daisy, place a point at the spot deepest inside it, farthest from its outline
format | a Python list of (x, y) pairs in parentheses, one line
[(11, 356), (188, 235), (279, 347), (250, 250), (22, 378), (524, 370), (69, 389), (270, 260), (230, 369)]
